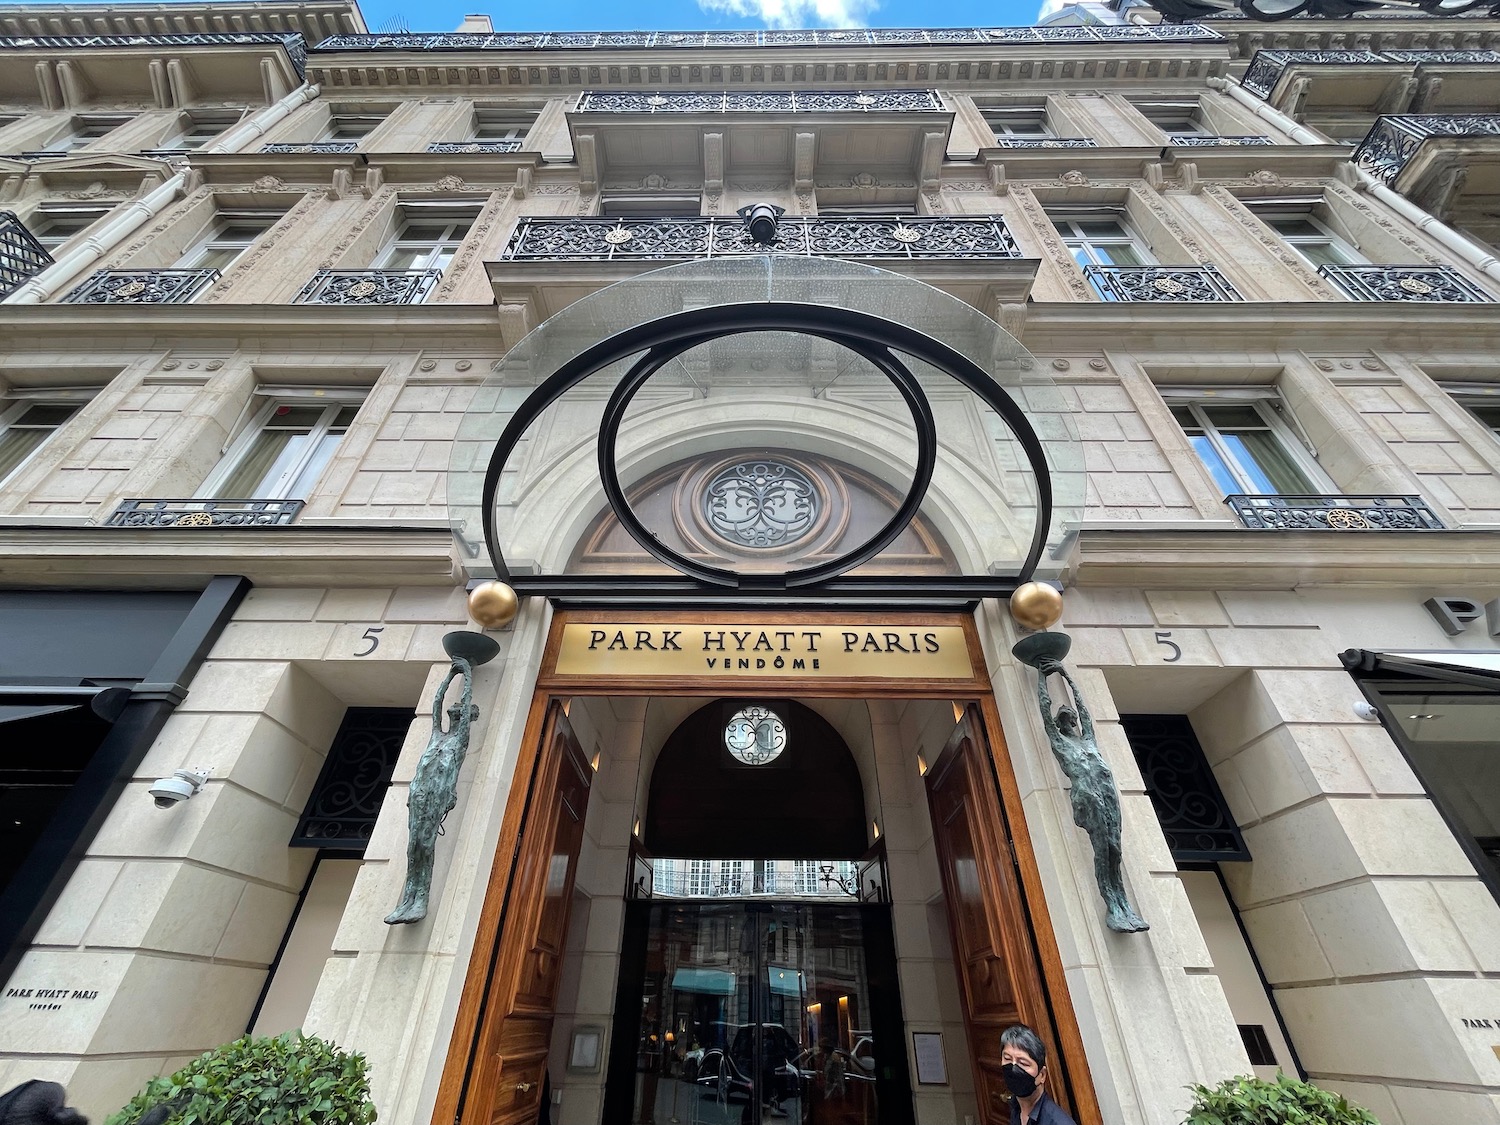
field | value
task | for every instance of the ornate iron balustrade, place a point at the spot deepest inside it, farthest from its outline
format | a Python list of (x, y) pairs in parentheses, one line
[(142, 287), (1195, 140), (823, 37), (1045, 142), (204, 513), (1160, 283), (22, 257), (766, 101), (1405, 283), (311, 146), (596, 240), (474, 146), (368, 287), (1334, 513), (1267, 67), (345, 801), (1394, 138), (295, 45), (1196, 820)]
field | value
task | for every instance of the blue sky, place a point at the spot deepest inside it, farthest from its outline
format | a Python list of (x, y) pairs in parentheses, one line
[(667, 15)]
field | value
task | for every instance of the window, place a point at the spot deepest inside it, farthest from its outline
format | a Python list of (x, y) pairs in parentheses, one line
[(870, 209), (1309, 236), (26, 422), (1024, 122), (353, 124), (501, 124), (1482, 400), (230, 236), (54, 226), (649, 206), (1178, 119), (1101, 240), (1248, 448), (700, 877), (427, 237), (85, 129), (804, 877), (287, 445), (200, 128)]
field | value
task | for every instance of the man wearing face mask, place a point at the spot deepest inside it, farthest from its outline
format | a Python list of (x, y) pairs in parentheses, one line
[(1023, 1065)]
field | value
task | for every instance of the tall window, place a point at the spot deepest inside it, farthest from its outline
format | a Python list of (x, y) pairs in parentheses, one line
[(804, 877), (427, 237), (25, 425), (1248, 449), (1023, 122), (53, 226), (1101, 240), (700, 877), (231, 234), (286, 446), (1309, 236)]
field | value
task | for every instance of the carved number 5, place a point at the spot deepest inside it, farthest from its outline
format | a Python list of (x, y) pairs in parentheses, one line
[(1166, 639), (375, 641)]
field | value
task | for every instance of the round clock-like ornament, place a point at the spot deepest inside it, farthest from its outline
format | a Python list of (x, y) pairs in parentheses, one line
[(755, 736)]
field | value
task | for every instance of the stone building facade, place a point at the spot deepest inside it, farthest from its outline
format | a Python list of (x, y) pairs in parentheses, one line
[(278, 289)]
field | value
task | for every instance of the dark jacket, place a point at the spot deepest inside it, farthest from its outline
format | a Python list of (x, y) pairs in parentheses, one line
[(1045, 1112), (38, 1103)]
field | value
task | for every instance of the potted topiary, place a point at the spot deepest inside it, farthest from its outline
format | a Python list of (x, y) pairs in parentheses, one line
[(1286, 1101), (291, 1079)]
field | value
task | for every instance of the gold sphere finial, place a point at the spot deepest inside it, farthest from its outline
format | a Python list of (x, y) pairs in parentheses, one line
[(1036, 605), (493, 605)]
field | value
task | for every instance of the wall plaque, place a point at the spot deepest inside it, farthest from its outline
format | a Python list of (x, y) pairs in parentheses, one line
[(739, 651)]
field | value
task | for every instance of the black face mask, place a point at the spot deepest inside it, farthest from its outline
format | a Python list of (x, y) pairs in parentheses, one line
[(1017, 1081)]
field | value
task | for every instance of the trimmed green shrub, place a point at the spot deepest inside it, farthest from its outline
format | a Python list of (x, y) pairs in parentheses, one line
[(292, 1079), (1286, 1101)]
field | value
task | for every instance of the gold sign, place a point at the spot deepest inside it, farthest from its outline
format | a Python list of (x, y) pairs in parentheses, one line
[(739, 651)]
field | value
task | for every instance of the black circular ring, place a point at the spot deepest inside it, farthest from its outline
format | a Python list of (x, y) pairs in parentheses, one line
[(653, 361), (709, 323)]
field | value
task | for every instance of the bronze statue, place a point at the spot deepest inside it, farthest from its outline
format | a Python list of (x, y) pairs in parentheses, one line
[(434, 792), (1096, 800)]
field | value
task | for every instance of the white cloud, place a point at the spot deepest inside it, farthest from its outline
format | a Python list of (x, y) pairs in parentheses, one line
[(797, 13)]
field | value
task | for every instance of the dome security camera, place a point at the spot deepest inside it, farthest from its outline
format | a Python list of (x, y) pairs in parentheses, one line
[(169, 791)]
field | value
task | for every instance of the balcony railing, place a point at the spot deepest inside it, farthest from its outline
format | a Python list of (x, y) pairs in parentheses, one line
[(1334, 513), (1198, 140), (1267, 67), (762, 101), (1160, 283), (204, 513), (1394, 138), (597, 240), (142, 287), (282, 147), (1045, 142), (1405, 283), (368, 287), (474, 146), (823, 37), (22, 257), (294, 44)]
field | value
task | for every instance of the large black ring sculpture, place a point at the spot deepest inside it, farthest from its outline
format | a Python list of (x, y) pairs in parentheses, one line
[(873, 338)]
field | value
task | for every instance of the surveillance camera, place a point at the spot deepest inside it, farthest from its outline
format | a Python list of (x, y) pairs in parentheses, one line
[(760, 221), (168, 791), (1367, 711)]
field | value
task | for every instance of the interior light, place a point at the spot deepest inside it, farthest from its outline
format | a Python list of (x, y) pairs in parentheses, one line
[(637, 830), (594, 764), (1424, 716), (958, 712), (921, 765), (875, 825)]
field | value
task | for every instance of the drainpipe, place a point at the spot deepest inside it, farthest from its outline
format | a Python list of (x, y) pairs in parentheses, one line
[(1460, 245), (63, 272)]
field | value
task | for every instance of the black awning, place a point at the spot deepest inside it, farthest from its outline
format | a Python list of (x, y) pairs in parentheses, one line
[(1470, 669), (19, 701)]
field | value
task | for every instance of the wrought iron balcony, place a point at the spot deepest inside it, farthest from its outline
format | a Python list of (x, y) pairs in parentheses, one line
[(1405, 283), (1334, 513), (1160, 283), (1045, 142), (1267, 67), (474, 146), (1199, 140), (294, 44), (1394, 139), (824, 37), (368, 287), (599, 240), (142, 287), (311, 146), (204, 513), (22, 257), (762, 101)]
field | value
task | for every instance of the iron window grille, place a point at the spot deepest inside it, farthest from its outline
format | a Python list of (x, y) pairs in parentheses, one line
[(1196, 140), (204, 513), (142, 287), (1195, 818), (468, 147), (368, 287), (345, 801), (1267, 67), (1404, 283), (292, 147), (22, 254), (1161, 283), (1045, 142), (1334, 513), (761, 101), (1395, 138)]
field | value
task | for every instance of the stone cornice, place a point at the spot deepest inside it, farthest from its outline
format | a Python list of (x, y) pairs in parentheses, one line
[(1242, 559), (299, 555)]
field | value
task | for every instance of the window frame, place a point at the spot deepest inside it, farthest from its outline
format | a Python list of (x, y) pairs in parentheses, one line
[(1078, 240), (516, 123), (192, 122), (15, 402), (440, 251), (47, 213), (353, 123), (191, 258), (239, 447), (79, 132), (1475, 396), (1273, 411), (996, 114), (1166, 113), (1342, 248)]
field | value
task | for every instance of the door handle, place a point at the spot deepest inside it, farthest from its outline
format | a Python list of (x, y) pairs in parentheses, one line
[(524, 1087)]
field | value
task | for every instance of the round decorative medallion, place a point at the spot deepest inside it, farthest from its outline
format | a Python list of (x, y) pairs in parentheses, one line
[(1415, 285), (1168, 285), (865, 99), (195, 519), (362, 289), (756, 735), (762, 503), (906, 234), (656, 99), (619, 236), (1346, 519), (130, 289)]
